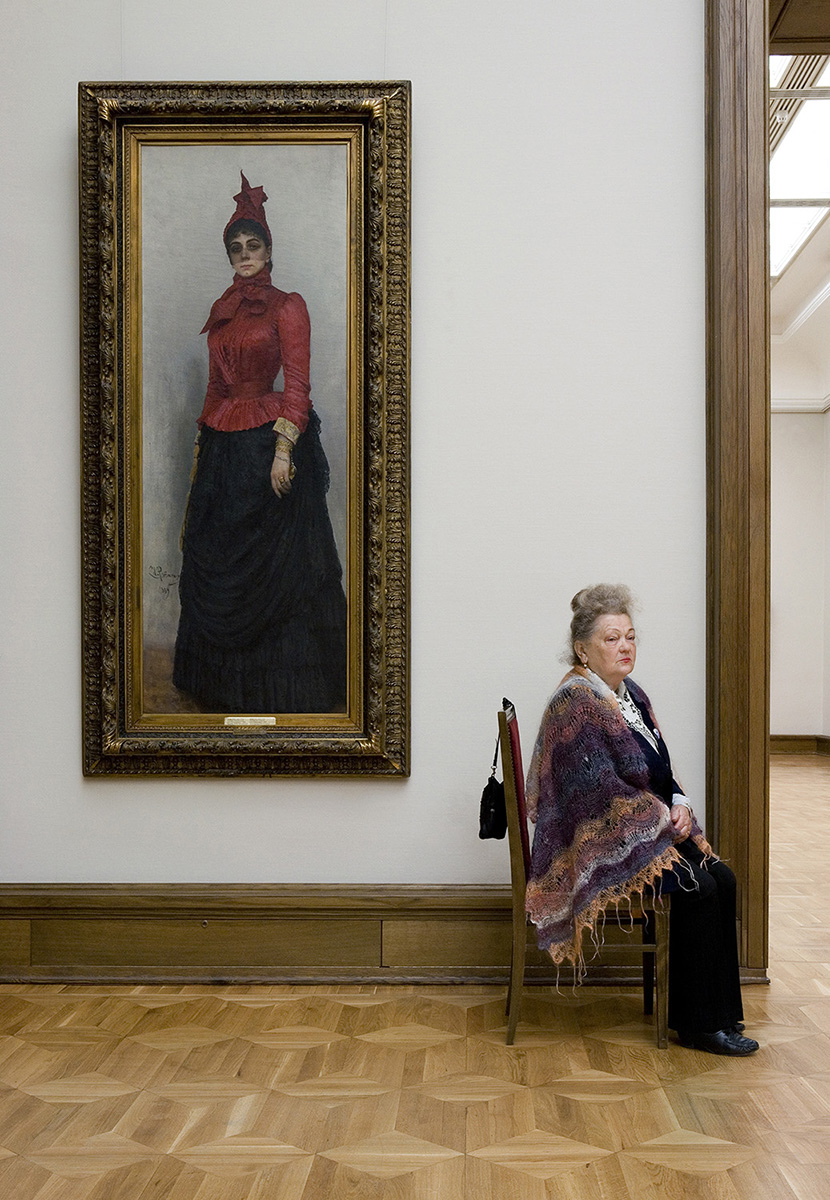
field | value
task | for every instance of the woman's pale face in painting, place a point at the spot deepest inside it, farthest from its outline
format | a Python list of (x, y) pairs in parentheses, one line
[(248, 254), (611, 650)]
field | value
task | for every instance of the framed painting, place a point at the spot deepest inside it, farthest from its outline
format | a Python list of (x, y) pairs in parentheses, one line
[(244, 408)]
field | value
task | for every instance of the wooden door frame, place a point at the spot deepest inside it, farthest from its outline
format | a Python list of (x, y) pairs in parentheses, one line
[(738, 431)]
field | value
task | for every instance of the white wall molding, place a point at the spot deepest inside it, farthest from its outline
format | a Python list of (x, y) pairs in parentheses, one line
[(803, 314), (818, 405)]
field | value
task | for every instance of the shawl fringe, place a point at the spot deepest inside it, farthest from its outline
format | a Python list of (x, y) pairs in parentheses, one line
[(588, 919)]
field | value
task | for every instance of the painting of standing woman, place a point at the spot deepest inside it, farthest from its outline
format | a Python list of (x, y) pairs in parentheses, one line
[(262, 623)]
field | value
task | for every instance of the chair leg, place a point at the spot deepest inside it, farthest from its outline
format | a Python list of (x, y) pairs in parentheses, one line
[(648, 964), (661, 938), (517, 973)]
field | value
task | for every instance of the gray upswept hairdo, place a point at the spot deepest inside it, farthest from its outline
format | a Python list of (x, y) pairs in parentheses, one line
[(592, 603)]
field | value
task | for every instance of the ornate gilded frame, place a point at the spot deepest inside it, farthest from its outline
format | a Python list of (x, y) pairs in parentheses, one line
[(117, 122)]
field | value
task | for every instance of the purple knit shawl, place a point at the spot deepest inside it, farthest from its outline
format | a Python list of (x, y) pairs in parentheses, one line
[(601, 836)]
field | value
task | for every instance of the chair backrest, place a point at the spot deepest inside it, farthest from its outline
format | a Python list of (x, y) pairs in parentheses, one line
[(514, 795)]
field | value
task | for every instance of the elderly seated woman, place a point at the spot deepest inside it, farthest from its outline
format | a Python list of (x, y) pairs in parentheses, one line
[(612, 822)]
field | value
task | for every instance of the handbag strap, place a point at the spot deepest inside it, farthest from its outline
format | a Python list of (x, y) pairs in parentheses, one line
[(495, 758)]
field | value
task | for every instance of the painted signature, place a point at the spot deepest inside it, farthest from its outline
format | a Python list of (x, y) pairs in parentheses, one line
[(165, 579)]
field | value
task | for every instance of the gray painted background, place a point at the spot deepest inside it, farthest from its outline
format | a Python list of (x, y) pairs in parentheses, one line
[(186, 200)]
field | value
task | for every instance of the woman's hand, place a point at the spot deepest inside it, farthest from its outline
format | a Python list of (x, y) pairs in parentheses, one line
[(282, 470), (681, 819)]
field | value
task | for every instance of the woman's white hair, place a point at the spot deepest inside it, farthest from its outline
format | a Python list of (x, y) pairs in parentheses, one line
[(592, 603)]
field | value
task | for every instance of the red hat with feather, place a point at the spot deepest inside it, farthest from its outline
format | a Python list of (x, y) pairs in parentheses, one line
[(249, 207)]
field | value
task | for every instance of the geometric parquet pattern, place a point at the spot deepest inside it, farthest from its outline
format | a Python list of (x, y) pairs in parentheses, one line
[(409, 1093)]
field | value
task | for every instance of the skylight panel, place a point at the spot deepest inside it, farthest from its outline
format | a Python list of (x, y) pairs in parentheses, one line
[(778, 64), (789, 229), (797, 171)]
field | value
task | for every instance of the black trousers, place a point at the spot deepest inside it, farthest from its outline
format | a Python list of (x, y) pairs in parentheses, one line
[(704, 979)]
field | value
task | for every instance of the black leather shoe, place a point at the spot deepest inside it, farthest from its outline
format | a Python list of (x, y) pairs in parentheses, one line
[(725, 1041)]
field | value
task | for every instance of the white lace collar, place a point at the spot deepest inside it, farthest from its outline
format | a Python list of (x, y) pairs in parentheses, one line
[(630, 712)]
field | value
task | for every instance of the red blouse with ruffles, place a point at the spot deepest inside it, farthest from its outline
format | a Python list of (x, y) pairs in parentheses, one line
[(253, 330)]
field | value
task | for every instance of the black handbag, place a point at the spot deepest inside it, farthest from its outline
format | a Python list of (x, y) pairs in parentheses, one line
[(492, 817)]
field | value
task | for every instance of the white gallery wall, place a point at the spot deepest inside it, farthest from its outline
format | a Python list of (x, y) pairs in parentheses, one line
[(798, 584), (557, 409), (800, 525)]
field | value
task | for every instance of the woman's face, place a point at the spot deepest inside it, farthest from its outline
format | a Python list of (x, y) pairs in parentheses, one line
[(248, 254), (611, 651)]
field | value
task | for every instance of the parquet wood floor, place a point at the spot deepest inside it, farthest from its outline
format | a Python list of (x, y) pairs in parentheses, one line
[(409, 1093)]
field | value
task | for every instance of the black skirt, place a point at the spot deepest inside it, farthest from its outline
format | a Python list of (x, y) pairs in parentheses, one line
[(263, 613)]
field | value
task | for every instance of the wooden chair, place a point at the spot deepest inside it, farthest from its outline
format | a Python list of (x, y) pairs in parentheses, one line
[(653, 919)]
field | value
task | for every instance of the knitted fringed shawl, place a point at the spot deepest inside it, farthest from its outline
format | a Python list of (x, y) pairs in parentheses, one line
[(601, 836)]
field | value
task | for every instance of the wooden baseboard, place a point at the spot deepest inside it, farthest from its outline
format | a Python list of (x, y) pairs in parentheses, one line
[(792, 743), (259, 933), (752, 975), (250, 933), (180, 933)]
